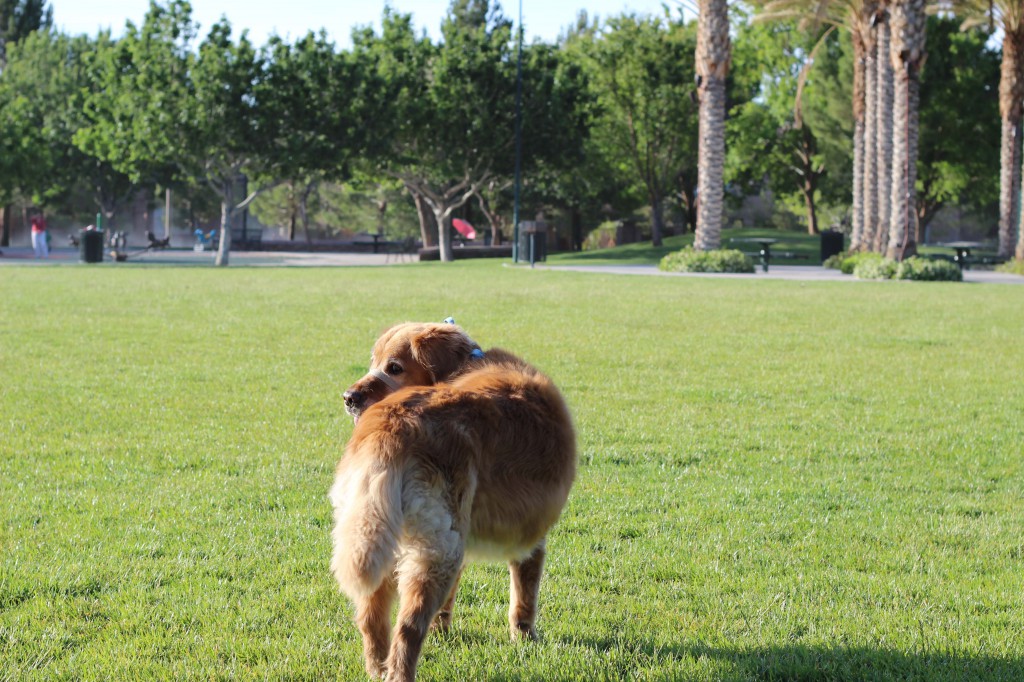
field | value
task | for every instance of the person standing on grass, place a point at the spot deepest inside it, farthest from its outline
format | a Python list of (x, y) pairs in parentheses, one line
[(39, 244)]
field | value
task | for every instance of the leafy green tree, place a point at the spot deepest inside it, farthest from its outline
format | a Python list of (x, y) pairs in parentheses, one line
[(49, 73), (393, 68), (958, 159), (18, 19), (313, 106), (642, 77), (774, 137), (174, 115)]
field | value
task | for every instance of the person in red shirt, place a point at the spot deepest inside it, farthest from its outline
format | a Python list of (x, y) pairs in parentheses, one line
[(39, 245)]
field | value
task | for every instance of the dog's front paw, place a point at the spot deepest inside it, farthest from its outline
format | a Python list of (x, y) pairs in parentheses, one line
[(523, 631)]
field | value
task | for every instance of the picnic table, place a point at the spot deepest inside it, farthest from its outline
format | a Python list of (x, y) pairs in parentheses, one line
[(765, 252), (378, 240), (963, 252)]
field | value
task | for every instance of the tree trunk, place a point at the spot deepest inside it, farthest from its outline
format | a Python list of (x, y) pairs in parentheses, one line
[(576, 227), (884, 105), (657, 221), (444, 233), (428, 226), (688, 193), (807, 189), (870, 229), (857, 219), (1009, 185), (227, 205), (712, 63), (907, 53), (1011, 107), (5, 226)]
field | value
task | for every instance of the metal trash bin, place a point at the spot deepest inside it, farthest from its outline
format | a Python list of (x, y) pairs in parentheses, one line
[(832, 242), (533, 242), (90, 245)]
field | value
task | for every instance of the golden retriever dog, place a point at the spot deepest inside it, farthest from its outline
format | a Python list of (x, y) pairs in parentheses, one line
[(456, 455)]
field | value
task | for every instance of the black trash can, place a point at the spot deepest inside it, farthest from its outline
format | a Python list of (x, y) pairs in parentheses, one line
[(90, 245), (540, 243), (831, 244)]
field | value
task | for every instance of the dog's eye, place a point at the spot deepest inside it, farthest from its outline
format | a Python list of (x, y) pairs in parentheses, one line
[(394, 369)]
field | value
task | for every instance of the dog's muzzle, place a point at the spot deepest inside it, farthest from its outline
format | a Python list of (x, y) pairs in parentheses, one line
[(356, 400)]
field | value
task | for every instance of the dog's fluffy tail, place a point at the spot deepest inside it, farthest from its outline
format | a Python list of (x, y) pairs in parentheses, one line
[(368, 524)]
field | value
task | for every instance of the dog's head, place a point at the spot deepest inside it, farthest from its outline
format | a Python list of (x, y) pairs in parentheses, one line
[(410, 354)]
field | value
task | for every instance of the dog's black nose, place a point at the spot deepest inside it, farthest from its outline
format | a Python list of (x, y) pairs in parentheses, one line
[(353, 398)]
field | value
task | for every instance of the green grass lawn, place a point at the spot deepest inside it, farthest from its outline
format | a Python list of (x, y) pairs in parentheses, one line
[(806, 248), (778, 480)]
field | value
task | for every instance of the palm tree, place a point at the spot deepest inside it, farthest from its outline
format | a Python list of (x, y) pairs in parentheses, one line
[(884, 107), (712, 61), (1009, 16), (907, 52)]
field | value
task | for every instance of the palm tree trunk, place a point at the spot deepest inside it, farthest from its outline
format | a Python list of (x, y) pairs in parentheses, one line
[(884, 104), (1009, 185), (857, 231), (1011, 108), (870, 140), (712, 62), (907, 52)]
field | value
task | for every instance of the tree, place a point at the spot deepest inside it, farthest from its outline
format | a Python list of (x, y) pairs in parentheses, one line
[(310, 94), (776, 135), (18, 19), (957, 153), (1008, 15), (171, 115), (642, 80), (394, 68), (907, 53), (712, 65)]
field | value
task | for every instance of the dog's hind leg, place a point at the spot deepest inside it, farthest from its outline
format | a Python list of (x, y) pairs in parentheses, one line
[(444, 617), (373, 617), (524, 591), (423, 585)]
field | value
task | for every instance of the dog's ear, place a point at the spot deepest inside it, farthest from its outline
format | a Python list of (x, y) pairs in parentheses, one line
[(442, 350)]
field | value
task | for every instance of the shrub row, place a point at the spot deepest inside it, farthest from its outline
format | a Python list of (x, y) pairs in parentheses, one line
[(722, 260), (1014, 267)]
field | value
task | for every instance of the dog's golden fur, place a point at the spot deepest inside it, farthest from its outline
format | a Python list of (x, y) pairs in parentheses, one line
[(475, 462)]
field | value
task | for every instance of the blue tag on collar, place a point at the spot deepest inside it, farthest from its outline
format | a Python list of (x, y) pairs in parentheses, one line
[(449, 320), (477, 353)]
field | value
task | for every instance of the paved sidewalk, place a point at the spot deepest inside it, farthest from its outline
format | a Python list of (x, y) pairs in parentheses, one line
[(23, 256), (67, 256)]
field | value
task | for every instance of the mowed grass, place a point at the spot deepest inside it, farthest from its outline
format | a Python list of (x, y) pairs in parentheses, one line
[(778, 480)]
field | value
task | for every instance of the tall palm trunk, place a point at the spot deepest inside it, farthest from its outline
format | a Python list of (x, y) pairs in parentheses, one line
[(712, 61), (857, 231), (884, 142), (1011, 108), (907, 51), (870, 138)]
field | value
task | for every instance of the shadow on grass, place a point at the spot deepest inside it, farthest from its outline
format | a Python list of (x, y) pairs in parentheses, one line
[(822, 663)]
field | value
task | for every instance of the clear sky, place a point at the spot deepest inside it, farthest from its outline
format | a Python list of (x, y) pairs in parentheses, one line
[(292, 18)]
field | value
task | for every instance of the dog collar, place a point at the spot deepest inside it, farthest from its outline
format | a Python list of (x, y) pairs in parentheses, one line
[(388, 381)]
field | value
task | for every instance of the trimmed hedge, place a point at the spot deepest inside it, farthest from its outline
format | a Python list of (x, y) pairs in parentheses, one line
[(1014, 267), (722, 260), (914, 268)]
